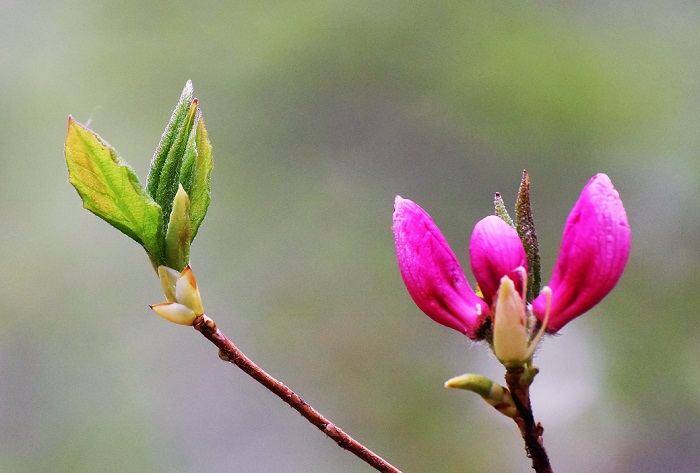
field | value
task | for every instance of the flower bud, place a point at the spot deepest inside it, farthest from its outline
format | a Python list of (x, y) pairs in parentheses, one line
[(431, 272), (495, 250), (594, 250)]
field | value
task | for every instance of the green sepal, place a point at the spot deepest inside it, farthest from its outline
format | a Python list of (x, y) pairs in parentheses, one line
[(178, 236), (525, 225), (110, 189)]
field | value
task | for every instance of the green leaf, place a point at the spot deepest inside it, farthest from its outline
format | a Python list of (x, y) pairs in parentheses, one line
[(170, 173), (189, 155), (172, 130), (197, 174), (183, 157), (110, 189)]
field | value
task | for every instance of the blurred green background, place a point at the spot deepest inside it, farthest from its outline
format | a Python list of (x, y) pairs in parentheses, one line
[(319, 113)]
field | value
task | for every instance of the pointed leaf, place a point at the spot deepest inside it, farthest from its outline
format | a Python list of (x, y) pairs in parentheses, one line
[(199, 190), (110, 189), (169, 136), (525, 225), (500, 209), (170, 173)]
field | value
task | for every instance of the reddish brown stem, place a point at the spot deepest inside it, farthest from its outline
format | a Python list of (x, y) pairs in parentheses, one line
[(229, 352), (530, 431)]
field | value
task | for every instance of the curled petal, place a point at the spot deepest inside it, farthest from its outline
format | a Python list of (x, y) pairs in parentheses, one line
[(495, 250), (594, 251), (431, 272)]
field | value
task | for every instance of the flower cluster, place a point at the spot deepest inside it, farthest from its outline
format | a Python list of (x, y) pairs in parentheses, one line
[(594, 250)]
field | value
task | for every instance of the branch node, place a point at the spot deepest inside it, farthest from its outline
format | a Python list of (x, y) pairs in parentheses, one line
[(209, 324), (223, 356)]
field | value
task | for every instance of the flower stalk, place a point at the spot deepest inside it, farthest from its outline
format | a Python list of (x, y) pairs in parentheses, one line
[(531, 431)]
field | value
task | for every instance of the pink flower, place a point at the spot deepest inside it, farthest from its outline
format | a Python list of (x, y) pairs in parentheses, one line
[(595, 247), (433, 276), (593, 254)]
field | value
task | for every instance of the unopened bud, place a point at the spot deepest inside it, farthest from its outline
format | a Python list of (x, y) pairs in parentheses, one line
[(510, 335), (184, 301), (493, 393)]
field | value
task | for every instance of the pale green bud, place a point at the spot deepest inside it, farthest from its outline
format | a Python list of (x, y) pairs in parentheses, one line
[(510, 334), (513, 341), (496, 395)]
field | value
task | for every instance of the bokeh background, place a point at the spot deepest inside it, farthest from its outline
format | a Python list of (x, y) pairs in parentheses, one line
[(319, 113)]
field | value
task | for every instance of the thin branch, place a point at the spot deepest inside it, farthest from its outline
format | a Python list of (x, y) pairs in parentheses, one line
[(229, 352), (530, 431)]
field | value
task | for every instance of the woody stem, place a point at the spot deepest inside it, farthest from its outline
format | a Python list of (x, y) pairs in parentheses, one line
[(529, 429), (229, 352)]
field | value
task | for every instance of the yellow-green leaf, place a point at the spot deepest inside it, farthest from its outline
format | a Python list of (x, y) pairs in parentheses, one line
[(110, 189)]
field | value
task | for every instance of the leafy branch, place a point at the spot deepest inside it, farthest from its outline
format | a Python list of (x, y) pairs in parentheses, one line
[(164, 218)]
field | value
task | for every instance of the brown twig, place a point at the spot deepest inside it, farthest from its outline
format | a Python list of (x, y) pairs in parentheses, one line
[(531, 431), (229, 352)]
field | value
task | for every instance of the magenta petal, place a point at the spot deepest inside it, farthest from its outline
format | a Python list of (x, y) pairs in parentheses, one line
[(495, 250), (594, 251), (431, 272)]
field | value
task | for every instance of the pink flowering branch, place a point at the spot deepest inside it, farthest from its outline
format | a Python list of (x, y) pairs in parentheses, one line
[(508, 310), (229, 352)]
